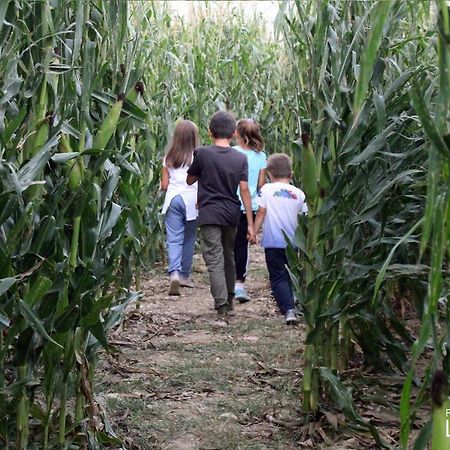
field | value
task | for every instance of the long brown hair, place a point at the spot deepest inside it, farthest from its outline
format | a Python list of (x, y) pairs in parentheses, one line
[(250, 132), (181, 147)]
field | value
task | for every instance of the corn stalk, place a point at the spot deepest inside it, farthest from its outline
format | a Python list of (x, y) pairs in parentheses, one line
[(362, 163), (436, 240), (64, 228)]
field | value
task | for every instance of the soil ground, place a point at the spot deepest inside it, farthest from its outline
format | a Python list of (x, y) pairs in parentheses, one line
[(180, 379)]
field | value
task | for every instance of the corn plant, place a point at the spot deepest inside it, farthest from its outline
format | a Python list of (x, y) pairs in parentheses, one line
[(363, 167), (213, 62), (69, 115), (88, 98), (436, 240)]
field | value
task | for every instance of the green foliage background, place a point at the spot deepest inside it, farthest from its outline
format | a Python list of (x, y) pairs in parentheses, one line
[(356, 92)]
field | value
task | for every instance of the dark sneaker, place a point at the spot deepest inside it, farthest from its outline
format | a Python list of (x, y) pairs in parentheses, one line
[(174, 286), (222, 310), (291, 317), (225, 310), (241, 296)]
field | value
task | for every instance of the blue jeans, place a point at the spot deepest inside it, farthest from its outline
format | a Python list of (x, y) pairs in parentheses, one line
[(280, 281), (180, 237)]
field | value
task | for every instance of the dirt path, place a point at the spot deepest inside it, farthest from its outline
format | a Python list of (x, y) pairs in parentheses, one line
[(181, 379)]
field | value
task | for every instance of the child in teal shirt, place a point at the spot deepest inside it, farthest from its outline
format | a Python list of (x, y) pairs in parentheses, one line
[(250, 143)]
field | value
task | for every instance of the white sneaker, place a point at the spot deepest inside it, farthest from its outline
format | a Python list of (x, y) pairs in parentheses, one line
[(291, 317), (174, 286), (186, 282)]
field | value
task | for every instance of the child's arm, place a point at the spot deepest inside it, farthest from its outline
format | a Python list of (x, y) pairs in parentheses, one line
[(195, 169), (191, 179), (261, 178), (260, 215), (164, 179), (247, 201)]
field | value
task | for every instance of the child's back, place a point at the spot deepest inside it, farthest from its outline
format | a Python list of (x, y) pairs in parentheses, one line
[(179, 204), (280, 204), (283, 203), (222, 169)]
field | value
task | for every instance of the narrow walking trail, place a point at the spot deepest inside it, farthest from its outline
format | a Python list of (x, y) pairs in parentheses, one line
[(179, 378)]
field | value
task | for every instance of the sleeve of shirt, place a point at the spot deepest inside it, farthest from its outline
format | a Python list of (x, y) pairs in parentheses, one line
[(244, 173), (195, 168), (263, 161), (164, 162), (261, 199)]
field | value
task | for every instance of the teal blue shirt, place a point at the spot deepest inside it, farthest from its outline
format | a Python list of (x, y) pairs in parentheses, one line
[(256, 162)]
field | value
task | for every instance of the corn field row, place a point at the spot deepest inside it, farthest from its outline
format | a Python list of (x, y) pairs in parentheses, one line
[(357, 92)]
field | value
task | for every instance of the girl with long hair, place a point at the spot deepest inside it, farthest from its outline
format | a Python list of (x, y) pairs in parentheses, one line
[(249, 142), (180, 204)]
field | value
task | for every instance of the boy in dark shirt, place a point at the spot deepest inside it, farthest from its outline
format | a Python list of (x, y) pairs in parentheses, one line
[(220, 170)]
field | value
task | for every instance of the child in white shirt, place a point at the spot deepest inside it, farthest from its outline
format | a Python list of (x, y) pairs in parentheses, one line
[(180, 204), (279, 206)]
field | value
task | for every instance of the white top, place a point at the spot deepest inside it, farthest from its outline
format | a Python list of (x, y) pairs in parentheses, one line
[(283, 202), (178, 186)]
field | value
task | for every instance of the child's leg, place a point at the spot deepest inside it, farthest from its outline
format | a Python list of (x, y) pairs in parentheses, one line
[(212, 251), (175, 218), (280, 281), (241, 250), (228, 238), (190, 231)]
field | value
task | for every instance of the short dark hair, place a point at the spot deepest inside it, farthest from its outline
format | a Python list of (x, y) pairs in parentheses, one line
[(279, 165), (222, 125)]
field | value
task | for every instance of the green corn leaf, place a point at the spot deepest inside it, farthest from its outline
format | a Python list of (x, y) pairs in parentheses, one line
[(386, 264), (33, 169), (4, 321), (38, 290), (377, 144), (64, 157), (79, 25), (92, 316), (405, 426), (98, 330), (380, 14), (346, 402), (15, 389), (438, 252), (67, 319), (110, 221), (428, 123), (34, 321), (424, 436), (380, 108), (6, 283), (3, 10), (14, 124)]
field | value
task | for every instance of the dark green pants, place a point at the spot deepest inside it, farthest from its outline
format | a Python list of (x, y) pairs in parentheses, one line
[(218, 252)]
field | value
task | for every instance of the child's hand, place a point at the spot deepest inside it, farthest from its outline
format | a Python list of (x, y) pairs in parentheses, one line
[(251, 236)]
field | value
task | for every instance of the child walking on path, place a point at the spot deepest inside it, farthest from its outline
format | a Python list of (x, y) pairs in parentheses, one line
[(250, 143), (180, 205), (220, 170), (279, 205)]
